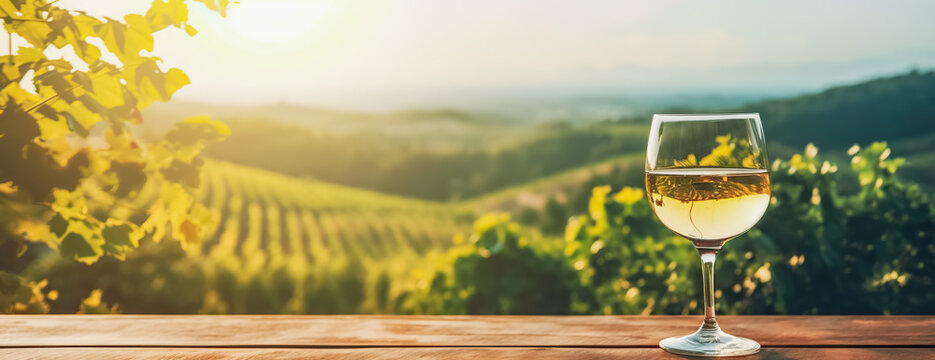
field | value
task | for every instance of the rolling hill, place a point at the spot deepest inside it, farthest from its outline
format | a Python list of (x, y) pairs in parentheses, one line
[(536, 193), (280, 245), (892, 108)]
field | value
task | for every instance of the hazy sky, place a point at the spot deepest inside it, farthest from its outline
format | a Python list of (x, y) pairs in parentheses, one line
[(316, 51)]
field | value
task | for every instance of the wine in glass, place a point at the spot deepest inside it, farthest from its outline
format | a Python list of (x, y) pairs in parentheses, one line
[(707, 181)]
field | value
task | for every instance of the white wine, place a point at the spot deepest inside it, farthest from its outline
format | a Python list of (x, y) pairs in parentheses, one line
[(703, 184), (708, 206)]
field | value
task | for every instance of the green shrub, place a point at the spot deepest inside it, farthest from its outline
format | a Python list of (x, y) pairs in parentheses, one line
[(498, 272), (816, 251), (19, 296)]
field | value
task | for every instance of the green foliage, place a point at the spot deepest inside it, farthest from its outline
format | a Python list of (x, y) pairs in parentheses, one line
[(19, 296), (816, 251), (626, 260), (498, 272), (866, 253), (160, 278), (93, 305), (60, 194), (877, 242)]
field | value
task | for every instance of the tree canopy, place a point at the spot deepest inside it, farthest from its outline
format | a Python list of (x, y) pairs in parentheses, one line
[(58, 186)]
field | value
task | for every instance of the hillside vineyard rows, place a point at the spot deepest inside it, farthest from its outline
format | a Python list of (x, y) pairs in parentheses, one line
[(260, 213), (281, 244)]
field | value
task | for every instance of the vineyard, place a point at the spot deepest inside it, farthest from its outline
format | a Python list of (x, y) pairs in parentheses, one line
[(277, 244), (502, 198), (264, 214)]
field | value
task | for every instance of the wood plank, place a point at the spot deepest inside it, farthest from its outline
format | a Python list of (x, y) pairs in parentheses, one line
[(442, 353), (559, 331)]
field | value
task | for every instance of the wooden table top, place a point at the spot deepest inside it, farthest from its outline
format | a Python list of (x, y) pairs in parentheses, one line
[(448, 337)]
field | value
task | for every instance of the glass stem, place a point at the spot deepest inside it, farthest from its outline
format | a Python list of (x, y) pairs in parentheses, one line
[(708, 256)]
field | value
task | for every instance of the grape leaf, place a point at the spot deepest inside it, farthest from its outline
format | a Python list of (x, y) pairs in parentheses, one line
[(77, 247)]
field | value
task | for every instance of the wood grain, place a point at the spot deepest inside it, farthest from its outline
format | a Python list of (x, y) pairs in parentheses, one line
[(452, 331), (441, 353)]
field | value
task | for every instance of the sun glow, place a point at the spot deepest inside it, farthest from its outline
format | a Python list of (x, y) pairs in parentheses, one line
[(275, 21)]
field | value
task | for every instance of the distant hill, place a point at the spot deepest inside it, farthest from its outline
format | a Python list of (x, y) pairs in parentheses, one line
[(536, 193), (322, 119), (435, 129), (898, 109), (453, 154), (891, 108)]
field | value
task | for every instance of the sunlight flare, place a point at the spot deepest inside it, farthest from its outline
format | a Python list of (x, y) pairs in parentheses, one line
[(276, 21)]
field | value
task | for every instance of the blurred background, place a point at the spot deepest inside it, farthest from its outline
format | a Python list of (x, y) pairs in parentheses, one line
[(486, 157)]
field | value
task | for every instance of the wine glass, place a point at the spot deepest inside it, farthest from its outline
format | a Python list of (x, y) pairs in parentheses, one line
[(707, 181)]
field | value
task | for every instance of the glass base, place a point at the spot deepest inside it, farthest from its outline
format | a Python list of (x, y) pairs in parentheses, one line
[(710, 343)]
